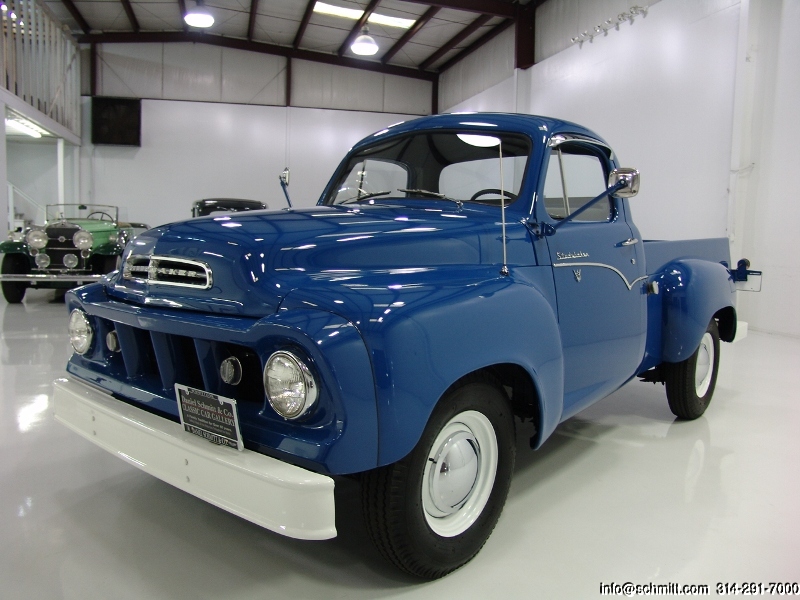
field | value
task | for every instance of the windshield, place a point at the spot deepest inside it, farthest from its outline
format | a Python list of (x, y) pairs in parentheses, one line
[(460, 166), (102, 212)]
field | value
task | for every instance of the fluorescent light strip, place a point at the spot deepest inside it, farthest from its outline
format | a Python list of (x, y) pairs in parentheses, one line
[(355, 14), (27, 128)]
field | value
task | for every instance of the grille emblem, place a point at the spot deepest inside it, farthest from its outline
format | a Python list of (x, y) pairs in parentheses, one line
[(166, 270)]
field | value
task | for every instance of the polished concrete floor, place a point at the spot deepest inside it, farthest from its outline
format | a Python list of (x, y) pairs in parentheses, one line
[(620, 493)]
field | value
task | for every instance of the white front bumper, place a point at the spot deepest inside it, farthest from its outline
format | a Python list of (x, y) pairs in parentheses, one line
[(281, 497)]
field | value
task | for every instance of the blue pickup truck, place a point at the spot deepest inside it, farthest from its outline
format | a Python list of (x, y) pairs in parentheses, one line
[(458, 272)]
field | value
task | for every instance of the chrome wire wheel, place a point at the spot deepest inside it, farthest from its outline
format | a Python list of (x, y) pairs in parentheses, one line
[(459, 473)]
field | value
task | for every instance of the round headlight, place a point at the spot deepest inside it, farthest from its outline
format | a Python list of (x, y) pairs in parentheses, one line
[(83, 240), (80, 331), (70, 261), (42, 261), (36, 238), (290, 386)]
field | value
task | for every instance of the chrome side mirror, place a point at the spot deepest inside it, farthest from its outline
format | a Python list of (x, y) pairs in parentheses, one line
[(630, 176), (285, 176)]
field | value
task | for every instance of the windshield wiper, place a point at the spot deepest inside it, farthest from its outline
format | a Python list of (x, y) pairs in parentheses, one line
[(429, 194), (364, 197)]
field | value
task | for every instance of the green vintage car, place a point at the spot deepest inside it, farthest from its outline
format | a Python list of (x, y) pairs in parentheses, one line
[(78, 243)]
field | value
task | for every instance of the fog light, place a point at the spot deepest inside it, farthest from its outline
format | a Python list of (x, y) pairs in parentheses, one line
[(42, 261), (36, 238), (80, 331), (231, 371), (112, 341), (70, 261), (82, 239), (290, 386), (85, 253)]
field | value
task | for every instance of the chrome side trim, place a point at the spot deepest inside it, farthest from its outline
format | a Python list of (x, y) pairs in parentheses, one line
[(604, 266), (561, 138)]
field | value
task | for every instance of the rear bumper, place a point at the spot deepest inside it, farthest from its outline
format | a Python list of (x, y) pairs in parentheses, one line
[(275, 495)]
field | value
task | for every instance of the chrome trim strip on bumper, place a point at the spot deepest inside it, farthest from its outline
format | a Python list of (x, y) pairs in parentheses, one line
[(33, 277), (266, 491)]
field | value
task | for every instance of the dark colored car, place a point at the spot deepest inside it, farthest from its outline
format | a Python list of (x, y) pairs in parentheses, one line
[(201, 208)]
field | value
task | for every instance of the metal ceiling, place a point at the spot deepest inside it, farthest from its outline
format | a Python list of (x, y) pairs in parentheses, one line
[(444, 32)]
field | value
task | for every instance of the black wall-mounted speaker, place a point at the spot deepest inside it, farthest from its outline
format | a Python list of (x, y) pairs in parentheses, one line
[(116, 121)]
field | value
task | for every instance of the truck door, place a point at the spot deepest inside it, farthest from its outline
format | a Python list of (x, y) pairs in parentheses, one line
[(599, 274)]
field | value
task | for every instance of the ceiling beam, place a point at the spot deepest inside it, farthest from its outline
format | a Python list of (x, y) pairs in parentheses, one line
[(419, 24), (303, 24), (251, 25), (126, 4), (456, 40), (76, 14), (495, 8), (356, 30), (493, 33), (160, 37)]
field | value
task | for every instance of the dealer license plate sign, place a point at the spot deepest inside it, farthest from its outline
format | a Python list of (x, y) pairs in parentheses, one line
[(209, 416)]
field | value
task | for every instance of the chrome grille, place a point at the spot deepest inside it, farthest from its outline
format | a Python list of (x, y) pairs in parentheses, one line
[(166, 270)]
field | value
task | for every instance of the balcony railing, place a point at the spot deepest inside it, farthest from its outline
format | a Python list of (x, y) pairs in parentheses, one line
[(41, 61)]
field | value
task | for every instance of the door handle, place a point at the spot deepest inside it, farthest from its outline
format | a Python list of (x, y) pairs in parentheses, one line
[(629, 242)]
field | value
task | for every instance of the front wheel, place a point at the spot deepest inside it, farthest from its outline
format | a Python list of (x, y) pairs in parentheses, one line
[(14, 264), (690, 383), (433, 511)]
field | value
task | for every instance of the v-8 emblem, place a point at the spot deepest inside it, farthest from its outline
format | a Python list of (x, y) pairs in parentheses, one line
[(577, 273)]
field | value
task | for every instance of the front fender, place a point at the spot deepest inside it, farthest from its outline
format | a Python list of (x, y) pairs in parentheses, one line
[(425, 335), (11, 247), (693, 291)]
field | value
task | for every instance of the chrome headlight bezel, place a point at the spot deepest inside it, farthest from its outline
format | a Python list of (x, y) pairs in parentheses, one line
[(289, 384), (83, 239), (36, 238), (81, 333)]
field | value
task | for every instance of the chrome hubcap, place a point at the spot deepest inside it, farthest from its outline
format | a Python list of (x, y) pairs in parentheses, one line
[(456, 471), (704, 367)]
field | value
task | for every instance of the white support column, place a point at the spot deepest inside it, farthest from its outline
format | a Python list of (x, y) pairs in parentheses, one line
[(60, 151), (5, 225)]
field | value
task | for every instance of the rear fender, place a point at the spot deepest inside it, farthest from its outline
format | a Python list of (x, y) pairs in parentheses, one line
[(692, 292)]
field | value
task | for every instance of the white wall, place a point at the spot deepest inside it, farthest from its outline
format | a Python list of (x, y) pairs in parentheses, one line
[(185, 71), (770, 223), (660, 91), (702, 97), (194, 150)]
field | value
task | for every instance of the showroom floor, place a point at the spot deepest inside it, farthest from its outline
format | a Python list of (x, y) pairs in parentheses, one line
[(620, 493)]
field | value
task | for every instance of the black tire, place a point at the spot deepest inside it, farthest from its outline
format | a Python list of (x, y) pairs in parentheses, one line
[(14, 264), (398, 500), (690, 383)]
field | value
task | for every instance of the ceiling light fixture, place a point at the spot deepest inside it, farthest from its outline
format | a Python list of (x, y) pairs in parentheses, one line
[(199, 16), (355, 14), (364, 45)]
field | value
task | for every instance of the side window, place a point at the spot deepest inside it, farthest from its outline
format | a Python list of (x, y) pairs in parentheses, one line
[(575, 176), (371, 176)]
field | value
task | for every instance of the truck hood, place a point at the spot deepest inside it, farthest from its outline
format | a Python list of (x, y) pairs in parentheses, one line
[(255, 259)]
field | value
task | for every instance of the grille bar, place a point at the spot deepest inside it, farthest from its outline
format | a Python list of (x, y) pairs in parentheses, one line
[(167, 270)]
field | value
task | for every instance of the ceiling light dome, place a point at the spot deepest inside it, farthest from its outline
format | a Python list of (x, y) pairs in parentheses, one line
[(199, 16), (364, 44)]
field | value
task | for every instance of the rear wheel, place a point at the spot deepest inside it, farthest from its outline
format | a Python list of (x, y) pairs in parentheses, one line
[(690, 383), (432, 512), (14, 264)]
